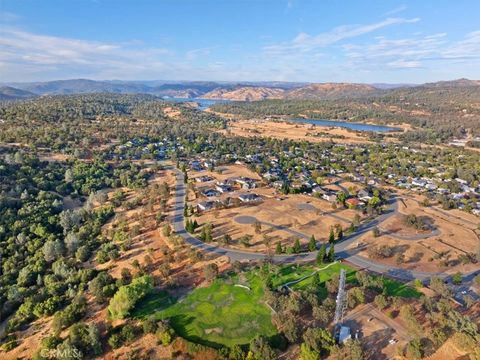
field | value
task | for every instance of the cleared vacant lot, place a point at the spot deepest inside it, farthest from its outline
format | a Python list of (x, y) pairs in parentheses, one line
[(441, 248), (293, 131)]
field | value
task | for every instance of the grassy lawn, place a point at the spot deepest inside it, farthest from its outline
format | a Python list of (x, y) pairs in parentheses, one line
[(291, 272), (397, 288), (221, 314), (153, 302)]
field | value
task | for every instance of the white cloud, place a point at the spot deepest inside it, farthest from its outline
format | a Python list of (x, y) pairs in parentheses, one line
[(404, 64), (397, 10), (305, 43), (414, 52), (196, 53)]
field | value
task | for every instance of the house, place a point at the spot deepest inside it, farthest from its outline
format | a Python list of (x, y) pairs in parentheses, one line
[(223, 188), (205, 178), (210, 192), (277, 184), (354, 202), (245, 182), (249, 197), (196, 165), (318, 190), (208, 164), (419, 182), (364, 195), (330, 196), (206, 205)]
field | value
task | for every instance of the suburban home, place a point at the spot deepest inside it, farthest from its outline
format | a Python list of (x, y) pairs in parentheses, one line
[(196, 165), (223, 188), (250, 197), (206, 205), (358, 177), (318, 190), (364, 195), (208, 164), (330, 196), (210, 192), (245, 182), (354, 202), (277, 184), (204, 178), (419, 182)]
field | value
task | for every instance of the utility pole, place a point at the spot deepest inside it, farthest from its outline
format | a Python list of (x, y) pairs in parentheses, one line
[(341, 299)]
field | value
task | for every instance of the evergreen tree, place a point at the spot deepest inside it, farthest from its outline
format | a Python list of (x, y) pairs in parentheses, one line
[(322, 252), (278, 249), (285, 189), (316, 280), (312, 244), (296, 246), (331, 237), (340, 233), (208, 232), (203, 234), (331, 253)]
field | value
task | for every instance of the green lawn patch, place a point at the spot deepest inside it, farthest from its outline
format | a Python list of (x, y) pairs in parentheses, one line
[(151, 303), (220, 314), (397, 288), (326, 274)]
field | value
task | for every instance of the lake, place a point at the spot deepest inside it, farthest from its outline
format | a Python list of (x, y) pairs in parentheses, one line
[(347, 125), (202, 103)]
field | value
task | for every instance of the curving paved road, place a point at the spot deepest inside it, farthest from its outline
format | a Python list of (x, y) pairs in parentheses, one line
[(351, 255)]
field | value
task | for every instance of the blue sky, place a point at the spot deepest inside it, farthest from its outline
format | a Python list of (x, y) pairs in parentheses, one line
[(245, 40)]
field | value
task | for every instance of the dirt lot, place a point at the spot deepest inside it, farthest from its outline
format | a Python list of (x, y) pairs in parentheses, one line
[(437, 249), (283, 218), (375, 330), (293, 131)]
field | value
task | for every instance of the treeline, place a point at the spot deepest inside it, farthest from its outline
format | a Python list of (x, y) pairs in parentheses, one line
[(79, 122)]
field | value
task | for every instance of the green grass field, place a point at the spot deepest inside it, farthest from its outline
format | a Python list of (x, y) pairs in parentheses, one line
[(397, 288), (221, 314), (225, 314)]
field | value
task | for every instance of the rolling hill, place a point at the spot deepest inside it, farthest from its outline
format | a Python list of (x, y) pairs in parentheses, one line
[(245, 93), (11, 93), (326, 91)]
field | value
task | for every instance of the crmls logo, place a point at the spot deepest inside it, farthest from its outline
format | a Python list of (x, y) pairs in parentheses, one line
[(61, 354)]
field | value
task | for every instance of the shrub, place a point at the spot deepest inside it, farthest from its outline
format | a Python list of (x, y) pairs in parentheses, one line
[(127, 296)]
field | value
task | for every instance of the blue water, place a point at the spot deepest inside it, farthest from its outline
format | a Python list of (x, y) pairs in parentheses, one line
[(347, 125), (202, 103)]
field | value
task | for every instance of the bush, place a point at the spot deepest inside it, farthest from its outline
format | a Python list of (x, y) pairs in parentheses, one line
[(149, 326), (115, 341), (127, 296)]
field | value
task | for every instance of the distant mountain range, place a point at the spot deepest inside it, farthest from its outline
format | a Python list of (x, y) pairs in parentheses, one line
[(244, 91)]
